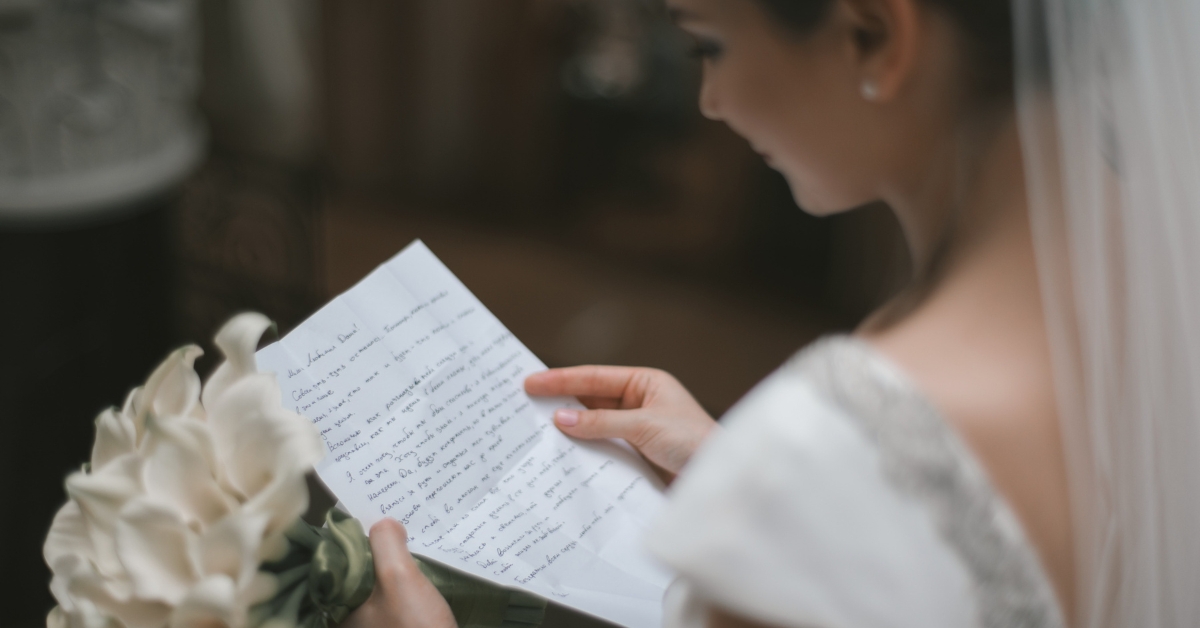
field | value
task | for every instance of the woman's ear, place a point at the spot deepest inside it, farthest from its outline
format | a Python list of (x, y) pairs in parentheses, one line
[(882, 37)]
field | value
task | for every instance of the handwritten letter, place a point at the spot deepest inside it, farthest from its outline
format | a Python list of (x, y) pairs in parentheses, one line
[(417, 391)]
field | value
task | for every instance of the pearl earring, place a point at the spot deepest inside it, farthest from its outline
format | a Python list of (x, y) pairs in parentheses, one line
[(870, 91)]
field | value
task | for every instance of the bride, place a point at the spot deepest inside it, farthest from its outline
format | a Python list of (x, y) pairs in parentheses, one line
[(1014, 440)]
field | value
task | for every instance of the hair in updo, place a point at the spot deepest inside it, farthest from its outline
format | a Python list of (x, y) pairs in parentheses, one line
[(987, 25)]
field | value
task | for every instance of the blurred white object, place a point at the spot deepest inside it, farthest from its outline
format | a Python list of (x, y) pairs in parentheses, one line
[(188, 492), (611, 63), (1108, 95), (96, 104)]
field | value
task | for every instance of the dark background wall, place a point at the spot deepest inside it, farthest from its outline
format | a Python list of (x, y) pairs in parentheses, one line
[(589, 205)]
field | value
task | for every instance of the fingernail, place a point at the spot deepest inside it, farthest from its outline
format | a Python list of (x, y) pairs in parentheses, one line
[(566, 418)]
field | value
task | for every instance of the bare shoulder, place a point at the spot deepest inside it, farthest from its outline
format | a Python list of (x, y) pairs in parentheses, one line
[(982, 373), (983, 360)]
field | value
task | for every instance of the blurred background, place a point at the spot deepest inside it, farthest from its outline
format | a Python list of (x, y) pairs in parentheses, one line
[(167, 163)]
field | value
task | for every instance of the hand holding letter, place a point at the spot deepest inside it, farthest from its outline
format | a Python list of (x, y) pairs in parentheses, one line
[(648, 408)]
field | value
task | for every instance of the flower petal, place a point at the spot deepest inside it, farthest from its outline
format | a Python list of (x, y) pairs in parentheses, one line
[(212, 603), (230, 548), (258, 439), (68, 536), (237, 340), (172, 390), (127, 408), (262, 587), (158, 551), (84, 614), (86, 585), (180, 469), (115, 436), (58, 619), (101, 495), (283, 502)]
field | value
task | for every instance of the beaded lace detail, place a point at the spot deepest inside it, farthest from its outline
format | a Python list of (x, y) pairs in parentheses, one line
[(924, 459)]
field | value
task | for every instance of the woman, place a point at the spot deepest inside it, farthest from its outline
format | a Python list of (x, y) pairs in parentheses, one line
[(971, 455)]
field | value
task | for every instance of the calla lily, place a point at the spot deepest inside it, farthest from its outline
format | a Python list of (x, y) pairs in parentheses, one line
[(109, 595), (190, 488), (181, 470), (237, 341), (172, 390), (68, 535), (247, 447), (158, 551), (212, 602), (228, 549), (100, 496), (116, 436)]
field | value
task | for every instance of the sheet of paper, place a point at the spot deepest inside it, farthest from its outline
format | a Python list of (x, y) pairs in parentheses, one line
[(417, 391)]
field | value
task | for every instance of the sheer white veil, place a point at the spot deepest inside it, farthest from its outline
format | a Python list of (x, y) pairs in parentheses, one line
[(1108, 94)]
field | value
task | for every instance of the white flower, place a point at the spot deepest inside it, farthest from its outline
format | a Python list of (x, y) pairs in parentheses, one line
[(189, 490)]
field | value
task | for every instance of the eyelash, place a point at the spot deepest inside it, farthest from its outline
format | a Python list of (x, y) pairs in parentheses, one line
[(706, 50)]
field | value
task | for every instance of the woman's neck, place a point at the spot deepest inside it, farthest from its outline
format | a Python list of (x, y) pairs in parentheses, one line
[(966, 212), (990, 207)]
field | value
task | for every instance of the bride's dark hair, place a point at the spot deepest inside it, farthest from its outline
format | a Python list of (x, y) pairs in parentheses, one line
[(987, 25)]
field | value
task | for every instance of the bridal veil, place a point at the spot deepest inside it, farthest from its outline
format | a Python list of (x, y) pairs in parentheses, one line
[(1108, 93)]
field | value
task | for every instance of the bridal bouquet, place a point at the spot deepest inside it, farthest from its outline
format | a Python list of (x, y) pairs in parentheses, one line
[(188, 491), (188, 514)]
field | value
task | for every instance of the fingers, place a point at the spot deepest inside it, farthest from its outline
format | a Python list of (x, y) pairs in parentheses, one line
[(582, 381), (592, 424)]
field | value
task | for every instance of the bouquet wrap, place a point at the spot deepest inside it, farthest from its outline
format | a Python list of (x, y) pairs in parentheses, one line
[(328, 572)]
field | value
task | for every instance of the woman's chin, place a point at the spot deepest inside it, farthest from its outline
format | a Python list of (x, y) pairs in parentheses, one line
[(819, 200)]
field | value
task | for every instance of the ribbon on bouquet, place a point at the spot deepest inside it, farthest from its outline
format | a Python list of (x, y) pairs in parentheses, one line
[(329, 571)]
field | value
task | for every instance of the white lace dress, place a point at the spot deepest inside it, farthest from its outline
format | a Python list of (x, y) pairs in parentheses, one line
[(837, 497)]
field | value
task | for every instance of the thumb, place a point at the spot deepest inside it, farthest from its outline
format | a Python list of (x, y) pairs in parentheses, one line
[(389, 544), (594, 424)]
